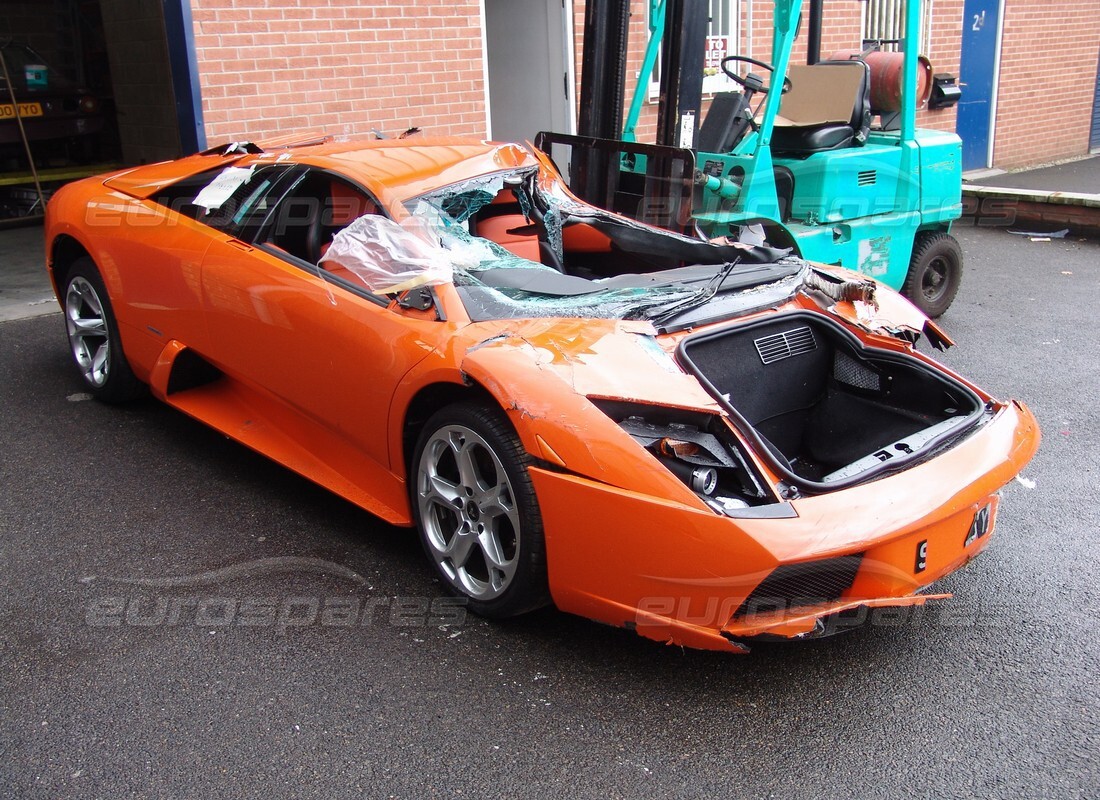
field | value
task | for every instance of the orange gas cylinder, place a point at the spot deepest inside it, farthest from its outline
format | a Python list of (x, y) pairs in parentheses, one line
[(885, 69)]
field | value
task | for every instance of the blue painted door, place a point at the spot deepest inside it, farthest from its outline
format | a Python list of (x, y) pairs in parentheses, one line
[(979, 61)]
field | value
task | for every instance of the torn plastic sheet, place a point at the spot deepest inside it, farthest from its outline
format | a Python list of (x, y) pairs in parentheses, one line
[(389, 256), (229, 180), (427, 249)]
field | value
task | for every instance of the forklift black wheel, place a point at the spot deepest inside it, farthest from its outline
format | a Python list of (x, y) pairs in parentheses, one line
[(935, 272)]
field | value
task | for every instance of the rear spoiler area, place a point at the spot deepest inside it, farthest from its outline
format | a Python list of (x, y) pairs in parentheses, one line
[(267, 146), (145, 181)]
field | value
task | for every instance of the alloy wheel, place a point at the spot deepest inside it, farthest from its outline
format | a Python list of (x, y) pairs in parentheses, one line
[(468, 512), (88, 334)]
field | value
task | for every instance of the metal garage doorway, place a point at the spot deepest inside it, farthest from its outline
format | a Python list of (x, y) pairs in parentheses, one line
[(96, 84), (529, 47)]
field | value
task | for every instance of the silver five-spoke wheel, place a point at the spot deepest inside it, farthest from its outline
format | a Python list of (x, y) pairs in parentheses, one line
[(88, 335), (94, 336), (469, 513), (476, 510)]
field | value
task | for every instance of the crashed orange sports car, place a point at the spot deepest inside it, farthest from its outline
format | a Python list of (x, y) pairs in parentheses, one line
[(701, 439)]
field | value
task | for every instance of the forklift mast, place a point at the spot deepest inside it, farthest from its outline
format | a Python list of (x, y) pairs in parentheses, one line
[(681, 80), (833, 185), (603, 68), (678, 31)]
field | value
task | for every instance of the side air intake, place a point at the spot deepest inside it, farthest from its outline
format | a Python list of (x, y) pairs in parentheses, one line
[(807, 584)]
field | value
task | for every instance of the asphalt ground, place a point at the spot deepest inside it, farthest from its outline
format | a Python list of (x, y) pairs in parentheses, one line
[(111, 688), (1082, 175), (24, 287)]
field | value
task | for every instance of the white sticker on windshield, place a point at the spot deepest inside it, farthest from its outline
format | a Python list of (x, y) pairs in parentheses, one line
[(215, 193)]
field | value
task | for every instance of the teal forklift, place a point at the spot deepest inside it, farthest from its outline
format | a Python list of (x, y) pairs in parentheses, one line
[(824, 158)]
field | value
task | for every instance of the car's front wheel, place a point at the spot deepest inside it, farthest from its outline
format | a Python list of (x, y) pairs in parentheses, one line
[(93, 336), (477, 513)]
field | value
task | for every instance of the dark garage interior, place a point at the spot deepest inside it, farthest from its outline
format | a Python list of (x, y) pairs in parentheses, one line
[(93, 85)]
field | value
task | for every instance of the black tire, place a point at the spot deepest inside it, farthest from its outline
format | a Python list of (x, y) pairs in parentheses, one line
[(93, 336), (935, 272), (464, 512)]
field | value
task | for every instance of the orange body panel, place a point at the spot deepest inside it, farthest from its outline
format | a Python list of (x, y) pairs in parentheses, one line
[(321, 378)]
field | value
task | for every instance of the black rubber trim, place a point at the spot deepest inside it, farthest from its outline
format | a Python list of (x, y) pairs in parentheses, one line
[(322, 273)]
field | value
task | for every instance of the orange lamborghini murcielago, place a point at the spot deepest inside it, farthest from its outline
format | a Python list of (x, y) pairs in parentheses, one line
[(703, 440)]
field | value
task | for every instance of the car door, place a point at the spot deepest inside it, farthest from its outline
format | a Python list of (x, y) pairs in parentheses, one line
[(153, 249), (330, 352)]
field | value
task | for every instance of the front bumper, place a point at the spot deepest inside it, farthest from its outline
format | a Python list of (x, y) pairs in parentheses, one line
[(682, 575)]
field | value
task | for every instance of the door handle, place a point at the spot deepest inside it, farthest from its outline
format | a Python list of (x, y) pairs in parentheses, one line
[(238, 244)]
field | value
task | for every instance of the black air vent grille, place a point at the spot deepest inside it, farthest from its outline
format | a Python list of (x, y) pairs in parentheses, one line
[(786, 344), (807, 584), (867, 177), (852, 373)]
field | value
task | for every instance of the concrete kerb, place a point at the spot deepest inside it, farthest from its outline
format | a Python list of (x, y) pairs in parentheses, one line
[(1046, 211)]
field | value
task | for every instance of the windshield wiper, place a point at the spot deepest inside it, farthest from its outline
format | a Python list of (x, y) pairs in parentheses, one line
[(662, 314)]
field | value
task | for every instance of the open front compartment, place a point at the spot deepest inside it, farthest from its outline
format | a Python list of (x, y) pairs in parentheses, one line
[(829, 411)]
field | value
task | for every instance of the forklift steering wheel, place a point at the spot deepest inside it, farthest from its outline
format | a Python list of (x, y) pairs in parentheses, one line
[(733, 76)]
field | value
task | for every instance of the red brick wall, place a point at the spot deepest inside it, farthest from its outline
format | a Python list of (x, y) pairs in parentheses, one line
[(282, 66), (275, 67), (1048, 75)]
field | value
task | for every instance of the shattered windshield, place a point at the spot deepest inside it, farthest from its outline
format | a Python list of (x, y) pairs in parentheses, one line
[(518, 246)]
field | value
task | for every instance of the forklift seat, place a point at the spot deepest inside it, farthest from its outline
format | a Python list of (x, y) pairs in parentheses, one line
[(828, 107)]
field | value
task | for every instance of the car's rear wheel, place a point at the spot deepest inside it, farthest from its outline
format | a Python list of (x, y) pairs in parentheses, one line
[(93, 336), (477, 513)]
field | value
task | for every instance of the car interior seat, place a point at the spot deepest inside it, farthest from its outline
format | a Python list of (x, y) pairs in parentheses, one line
[(503, 222)]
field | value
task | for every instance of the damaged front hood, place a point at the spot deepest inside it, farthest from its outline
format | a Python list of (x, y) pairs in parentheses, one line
[(597, 358), (635, 360)]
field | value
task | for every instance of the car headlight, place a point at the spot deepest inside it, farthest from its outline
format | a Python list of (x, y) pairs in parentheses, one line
[(697, 448)]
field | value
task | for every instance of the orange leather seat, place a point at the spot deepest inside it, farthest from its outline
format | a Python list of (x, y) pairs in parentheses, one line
[(496, 229), (347, 205), (583, 238)]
